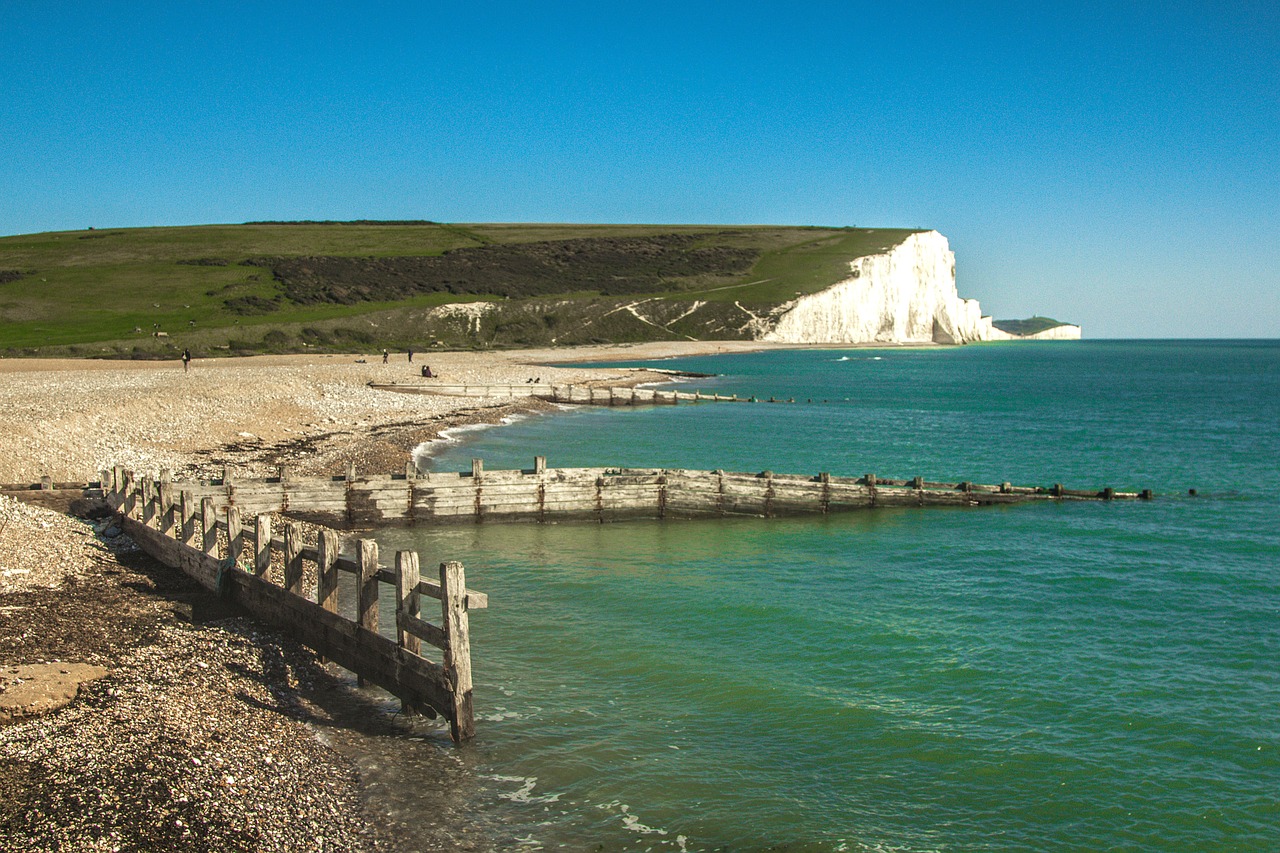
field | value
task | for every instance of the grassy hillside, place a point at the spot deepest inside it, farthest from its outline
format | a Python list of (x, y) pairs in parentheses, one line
[(1030, 326), (291, 286)]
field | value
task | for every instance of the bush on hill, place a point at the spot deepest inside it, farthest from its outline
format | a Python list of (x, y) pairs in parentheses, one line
[(612, 266)]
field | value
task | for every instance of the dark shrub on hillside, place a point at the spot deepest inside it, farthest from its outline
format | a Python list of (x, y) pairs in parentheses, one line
[(205, 262), (612, 266), (7, 276), (245, 305)]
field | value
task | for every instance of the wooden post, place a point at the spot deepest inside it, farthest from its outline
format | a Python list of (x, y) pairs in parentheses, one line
[(293, 558), (208, 527), (284, 473), (367, 604), (539, 464), (917, 483), (457, 657), (411, 470), (327, 571), (129, 506), (148, 501), (262, 545), (188, 535), (367, 607), (46, 483), (235, 535), (166, 476), (407, 604), (167, 511), (477, 468)]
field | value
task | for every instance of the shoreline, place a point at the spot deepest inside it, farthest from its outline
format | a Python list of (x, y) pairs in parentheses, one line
[(170, 743)]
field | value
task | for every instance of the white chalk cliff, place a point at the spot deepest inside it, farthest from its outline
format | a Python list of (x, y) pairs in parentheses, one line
[(905, 295)]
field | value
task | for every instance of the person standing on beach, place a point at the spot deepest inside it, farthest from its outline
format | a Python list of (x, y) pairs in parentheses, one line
[(186, 360), (411, 355), (385, 355)]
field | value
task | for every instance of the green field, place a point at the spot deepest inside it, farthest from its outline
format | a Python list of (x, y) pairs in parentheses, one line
[(337, 286)]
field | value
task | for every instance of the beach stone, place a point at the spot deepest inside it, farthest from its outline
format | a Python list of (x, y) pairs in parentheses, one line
[(29, 690)]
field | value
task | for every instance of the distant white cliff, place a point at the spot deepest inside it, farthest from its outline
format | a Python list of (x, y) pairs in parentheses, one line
[(905, 295)]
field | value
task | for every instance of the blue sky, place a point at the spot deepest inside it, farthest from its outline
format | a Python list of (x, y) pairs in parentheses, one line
[(1113, 164)]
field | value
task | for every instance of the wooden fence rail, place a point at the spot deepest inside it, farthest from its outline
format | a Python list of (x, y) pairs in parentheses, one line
[(231, 555)]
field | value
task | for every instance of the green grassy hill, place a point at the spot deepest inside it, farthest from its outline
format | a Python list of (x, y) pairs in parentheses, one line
[(1029, 326), (262, 287)]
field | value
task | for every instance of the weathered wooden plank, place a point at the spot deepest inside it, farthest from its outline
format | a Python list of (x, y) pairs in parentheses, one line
[(407, 605), (457, 654), (262, 545), (326, 571), (422, 630), (293, 558)]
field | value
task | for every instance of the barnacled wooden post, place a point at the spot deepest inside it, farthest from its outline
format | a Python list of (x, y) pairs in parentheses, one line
[(293, 558), (367, 605), (262, 544), (188, 519), (235, 535), (457, 657), (208, 527)]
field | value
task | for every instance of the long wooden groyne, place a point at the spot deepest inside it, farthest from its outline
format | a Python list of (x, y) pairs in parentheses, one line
[(543, 494), (581, 395), (232, 555)]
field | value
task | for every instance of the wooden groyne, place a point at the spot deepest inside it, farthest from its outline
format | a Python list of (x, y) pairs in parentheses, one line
[(231, 555), (580, 395), (545, 494)]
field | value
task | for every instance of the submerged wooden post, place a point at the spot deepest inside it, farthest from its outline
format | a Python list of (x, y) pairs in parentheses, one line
[(262, 544), (327, 571), (367, 605), (235, 535), (188, 533), (208, 527), (457, 657), (293, 558)]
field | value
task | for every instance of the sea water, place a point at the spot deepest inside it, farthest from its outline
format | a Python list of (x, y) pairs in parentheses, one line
[(1048, 676)]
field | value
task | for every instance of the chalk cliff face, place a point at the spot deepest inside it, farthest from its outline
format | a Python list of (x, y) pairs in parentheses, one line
[(906, 295)]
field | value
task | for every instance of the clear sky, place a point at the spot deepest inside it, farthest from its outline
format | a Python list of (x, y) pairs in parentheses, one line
[(1112, 164)]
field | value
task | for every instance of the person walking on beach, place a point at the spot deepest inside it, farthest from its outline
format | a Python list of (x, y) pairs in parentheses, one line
[(411, 355), (385, 355), (186, 360)]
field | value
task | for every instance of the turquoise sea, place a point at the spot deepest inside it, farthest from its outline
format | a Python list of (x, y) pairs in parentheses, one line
[(1078, 676)]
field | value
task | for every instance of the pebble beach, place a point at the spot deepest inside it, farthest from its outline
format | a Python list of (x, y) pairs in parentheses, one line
[(170, 722)]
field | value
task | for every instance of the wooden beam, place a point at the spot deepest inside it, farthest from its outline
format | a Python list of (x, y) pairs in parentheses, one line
[(262, 544), (457, 657), (293, 558)]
